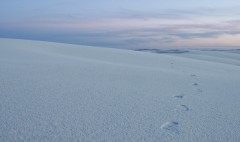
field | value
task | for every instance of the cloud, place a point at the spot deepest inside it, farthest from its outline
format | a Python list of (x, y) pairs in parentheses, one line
[(134, 29)]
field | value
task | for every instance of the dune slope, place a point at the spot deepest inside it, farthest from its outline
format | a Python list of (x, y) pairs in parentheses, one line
[(61, 92)]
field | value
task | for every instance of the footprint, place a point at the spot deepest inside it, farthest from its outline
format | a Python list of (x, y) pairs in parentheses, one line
[(182, 108), (179, 96), (200, 90), (193, 75), (195, 84), (170, 126)]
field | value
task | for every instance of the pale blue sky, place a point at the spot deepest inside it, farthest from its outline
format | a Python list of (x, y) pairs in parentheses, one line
[(125, 24)]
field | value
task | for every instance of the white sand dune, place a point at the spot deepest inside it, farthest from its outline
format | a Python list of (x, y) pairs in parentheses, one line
[(61, 92), (215, 56)]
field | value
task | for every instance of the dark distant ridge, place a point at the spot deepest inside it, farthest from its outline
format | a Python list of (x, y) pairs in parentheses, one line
[(161, 51)]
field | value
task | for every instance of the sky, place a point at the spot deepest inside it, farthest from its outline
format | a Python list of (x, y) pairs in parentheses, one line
[(126, 24)]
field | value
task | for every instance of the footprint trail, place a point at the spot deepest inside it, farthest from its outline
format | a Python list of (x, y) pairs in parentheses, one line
[(182, 108), (171, 126), (179, 96)]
